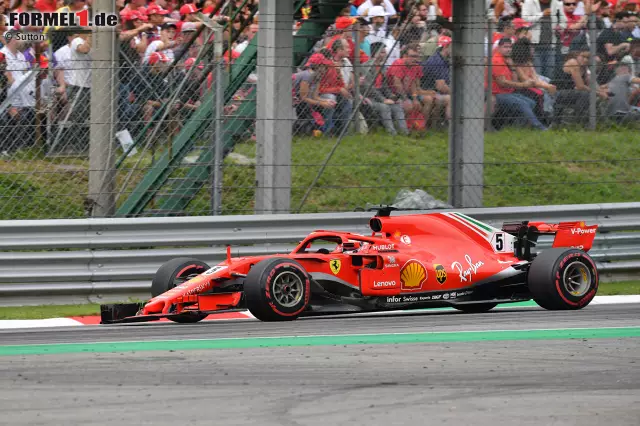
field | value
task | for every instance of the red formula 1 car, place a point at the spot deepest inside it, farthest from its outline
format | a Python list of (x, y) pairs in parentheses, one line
[(409, 261)]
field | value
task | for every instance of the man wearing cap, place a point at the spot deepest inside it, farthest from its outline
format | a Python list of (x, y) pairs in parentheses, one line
[(523, 29), (166, 43), (189, 18), (310, 108), (365, 7), (135, 31), (157, 16), (379, 33), (344, 25), (436, 75)]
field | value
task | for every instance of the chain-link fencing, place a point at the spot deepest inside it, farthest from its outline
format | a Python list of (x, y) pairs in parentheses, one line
[(372, 108)]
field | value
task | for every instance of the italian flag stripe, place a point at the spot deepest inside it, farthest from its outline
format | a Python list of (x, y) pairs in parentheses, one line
[(480, 224), (467, 224), (470, 224)]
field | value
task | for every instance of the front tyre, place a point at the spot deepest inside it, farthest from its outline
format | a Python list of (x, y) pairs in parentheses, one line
[(563, 279), (277, 289), (173, 273)]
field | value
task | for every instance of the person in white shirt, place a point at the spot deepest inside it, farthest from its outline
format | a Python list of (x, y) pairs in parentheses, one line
[(63, 67), (20, 94), (79, 90), (18, 70)]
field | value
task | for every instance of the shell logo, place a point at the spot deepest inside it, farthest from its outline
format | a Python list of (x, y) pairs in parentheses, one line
[(413, 275)]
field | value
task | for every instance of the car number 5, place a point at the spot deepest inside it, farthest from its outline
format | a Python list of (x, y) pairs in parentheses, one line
[(499, 242)]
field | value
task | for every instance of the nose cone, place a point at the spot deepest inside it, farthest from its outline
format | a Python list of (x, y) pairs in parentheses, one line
[(154, 307)]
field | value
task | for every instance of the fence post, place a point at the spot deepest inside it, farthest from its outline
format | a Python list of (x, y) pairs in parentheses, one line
[(593, 84), (488, 90), (466, 133), (274, 108), (356, 75), (218, 140), (101, 195)]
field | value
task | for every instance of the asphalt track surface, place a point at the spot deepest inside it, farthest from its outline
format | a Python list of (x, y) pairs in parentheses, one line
[(516, 382)]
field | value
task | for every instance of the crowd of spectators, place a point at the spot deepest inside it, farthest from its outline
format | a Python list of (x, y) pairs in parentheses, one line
[(394, 54), (539, 51), (151, 35)]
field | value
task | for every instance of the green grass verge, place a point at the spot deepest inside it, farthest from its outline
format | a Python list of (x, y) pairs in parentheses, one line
[(59, 311), (48, 311), (619, 288), (521, 167)]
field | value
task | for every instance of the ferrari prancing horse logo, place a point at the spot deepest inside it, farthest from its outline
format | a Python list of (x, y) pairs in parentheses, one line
[(335, 264)]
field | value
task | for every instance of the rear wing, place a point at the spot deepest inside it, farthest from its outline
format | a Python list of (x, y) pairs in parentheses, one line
[(567, 234)]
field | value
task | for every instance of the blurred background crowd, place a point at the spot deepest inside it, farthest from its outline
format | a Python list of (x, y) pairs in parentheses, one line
[(537, 55), (381, 63)]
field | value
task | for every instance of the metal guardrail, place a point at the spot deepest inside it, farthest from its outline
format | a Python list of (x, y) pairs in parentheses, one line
[(98, 260)]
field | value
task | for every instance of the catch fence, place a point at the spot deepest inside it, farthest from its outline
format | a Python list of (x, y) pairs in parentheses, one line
[(317, 106)]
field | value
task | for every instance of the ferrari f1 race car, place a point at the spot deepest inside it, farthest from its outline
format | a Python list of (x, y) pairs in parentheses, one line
[(409, 261)]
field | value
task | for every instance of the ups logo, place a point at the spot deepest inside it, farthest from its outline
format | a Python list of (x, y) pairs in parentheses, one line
[(441, 274)]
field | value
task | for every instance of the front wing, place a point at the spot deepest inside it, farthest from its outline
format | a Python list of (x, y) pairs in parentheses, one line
[(118, 313)]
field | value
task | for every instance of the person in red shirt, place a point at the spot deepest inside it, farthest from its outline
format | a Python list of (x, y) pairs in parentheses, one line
[(189, 18), (333, 87), (446, 8), (504, 85), (404, 77)]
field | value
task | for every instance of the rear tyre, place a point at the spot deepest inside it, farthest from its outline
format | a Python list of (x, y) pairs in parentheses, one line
[(563, 279), (277, 289), (173, 273), (476, 308)]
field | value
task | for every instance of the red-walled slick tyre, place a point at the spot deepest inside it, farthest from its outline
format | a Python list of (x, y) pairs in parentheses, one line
[(563, 279), (277, 289), (173, 273)]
